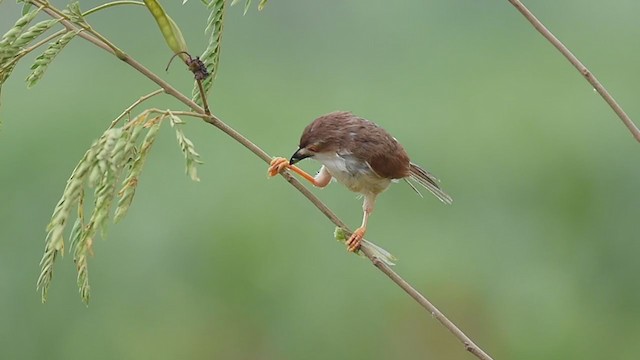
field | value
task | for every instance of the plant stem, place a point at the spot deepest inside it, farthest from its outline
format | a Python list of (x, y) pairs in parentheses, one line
[(215, 121), (537, 24), (203, 97), (62, 16), (110, 4), (136, 103)]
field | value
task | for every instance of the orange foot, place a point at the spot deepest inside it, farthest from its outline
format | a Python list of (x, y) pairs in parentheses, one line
[(353, 244), (277, 165)]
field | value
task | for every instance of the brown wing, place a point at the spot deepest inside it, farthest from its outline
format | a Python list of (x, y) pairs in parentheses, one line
[(391, 164), (384, 154)]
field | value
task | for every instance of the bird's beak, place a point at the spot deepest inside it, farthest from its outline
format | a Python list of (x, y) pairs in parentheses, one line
[(300, 154)]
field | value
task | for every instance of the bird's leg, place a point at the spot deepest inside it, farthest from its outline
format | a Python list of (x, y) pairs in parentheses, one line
[(279, 164), (353, 244)]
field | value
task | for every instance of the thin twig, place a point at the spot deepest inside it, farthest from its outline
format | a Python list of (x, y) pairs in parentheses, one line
[(84, 26), (203, 97), (579, 66), (135, 103), (215, 121), (110, 4)]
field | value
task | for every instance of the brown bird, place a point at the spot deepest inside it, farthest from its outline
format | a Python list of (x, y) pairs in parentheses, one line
[(359, 154)]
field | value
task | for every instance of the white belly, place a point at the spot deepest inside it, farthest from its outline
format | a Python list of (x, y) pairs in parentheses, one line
[(354, 174)]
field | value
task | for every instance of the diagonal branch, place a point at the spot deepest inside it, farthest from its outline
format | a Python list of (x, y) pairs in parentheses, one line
[(215, 121), (537, 24)]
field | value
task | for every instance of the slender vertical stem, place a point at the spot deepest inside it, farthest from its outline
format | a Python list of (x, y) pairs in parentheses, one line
[(203, 97), (588, 75)]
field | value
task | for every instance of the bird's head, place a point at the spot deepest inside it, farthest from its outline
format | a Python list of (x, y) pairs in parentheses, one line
[(324, 135), (306, 150), (316, 142)]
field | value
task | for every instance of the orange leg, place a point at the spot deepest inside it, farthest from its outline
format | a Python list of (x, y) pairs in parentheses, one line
[(279, 164), (353, 244)]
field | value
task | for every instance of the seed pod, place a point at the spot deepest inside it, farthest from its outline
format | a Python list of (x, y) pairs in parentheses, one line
[(168, 28)]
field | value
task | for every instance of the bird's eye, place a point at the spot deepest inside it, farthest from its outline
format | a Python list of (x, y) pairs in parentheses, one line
[(313, 148)]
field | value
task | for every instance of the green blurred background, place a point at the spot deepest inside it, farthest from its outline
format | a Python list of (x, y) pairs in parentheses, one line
[(536, 259)]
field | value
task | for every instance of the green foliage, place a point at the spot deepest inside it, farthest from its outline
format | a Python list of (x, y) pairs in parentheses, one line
[(191, 156), (42, 62), (211, 55), (135, 164), (215, 27), (115, 153), (72, 196), (10, 36), (247, 5), (74, 13), (26, 6), (26, 38), (13, 45), (262, 4), (15, 38)]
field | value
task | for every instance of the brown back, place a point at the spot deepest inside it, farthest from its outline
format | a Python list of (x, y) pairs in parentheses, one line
[(343, 132)]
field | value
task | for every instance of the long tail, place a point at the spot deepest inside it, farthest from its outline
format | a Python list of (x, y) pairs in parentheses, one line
[(430, 182)]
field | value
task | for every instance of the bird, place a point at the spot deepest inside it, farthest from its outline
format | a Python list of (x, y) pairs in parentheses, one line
[(359, 154)]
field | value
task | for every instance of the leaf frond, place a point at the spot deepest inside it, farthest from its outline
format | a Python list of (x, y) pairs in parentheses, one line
[(188, 149), (211, 55), (43, 61), (101, 168)]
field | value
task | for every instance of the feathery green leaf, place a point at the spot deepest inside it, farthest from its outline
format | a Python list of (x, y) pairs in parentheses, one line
[(54, 242), (130, 183), (211, 55), (26, 7), (8, 52), (42, 62), (191, 156), (10, 36), (100, 168), (75, 14)]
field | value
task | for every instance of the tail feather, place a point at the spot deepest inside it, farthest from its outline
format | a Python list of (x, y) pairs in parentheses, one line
[(430, 182)]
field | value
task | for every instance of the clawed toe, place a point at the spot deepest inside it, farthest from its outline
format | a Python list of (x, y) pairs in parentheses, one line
[(353, 244), (277, 165)]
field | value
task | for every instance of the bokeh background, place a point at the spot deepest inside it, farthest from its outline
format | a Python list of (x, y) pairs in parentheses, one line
[(536, 259)]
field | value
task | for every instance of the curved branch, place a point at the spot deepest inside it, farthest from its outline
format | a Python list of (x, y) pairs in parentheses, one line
[(127, 111), (215, 121), (588, 75), (111, 4)]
